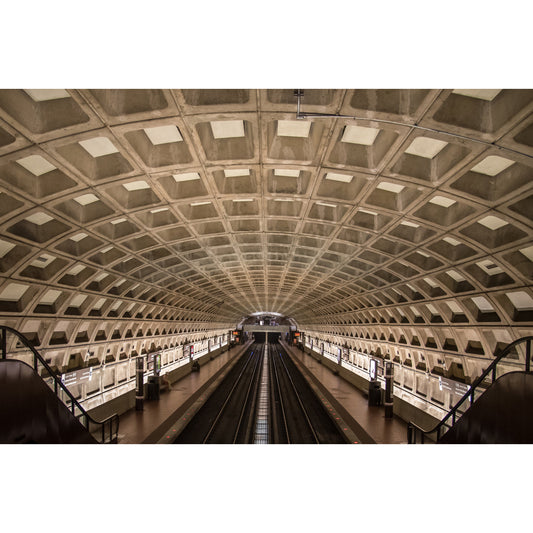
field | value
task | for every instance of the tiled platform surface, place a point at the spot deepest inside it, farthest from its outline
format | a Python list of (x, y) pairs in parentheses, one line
[(368, 423)]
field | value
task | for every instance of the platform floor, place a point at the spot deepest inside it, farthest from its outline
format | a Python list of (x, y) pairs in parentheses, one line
[(149, 425), (354, 403)]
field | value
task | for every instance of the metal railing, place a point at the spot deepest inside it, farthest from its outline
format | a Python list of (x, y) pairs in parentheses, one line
[(414, 431), (109, 426)]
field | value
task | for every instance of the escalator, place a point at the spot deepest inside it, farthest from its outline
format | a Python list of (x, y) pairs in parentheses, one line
[(32, 413), (502, 415), (499, 414)]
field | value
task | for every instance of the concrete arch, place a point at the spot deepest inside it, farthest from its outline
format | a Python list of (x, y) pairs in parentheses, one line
[(184, 211)]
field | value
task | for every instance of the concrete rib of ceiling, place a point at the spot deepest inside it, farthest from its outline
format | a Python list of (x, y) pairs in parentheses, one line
[(210, 205)]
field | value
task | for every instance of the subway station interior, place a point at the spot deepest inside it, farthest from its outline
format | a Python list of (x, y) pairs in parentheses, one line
[(383, 236), (269, 265)]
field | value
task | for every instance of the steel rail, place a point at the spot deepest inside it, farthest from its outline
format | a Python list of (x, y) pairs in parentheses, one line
[(275, 375), (228, 397), (304, 411), (261, 418), (253, 383)]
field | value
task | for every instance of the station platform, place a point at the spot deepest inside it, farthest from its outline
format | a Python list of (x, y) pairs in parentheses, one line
[(149, 425), (367, 422), (155, 422)]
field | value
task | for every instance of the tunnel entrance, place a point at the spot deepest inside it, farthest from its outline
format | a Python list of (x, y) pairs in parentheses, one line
[(265, 336)]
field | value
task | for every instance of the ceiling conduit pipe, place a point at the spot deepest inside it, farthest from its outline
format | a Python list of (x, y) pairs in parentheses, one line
[(300, 115)]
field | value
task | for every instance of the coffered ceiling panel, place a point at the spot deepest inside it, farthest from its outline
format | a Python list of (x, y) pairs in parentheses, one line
[(224, 203)]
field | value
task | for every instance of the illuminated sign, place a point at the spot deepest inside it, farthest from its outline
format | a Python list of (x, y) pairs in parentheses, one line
[(236, 333), (449, 385), (79, 376), (373, 370), (153, 361)]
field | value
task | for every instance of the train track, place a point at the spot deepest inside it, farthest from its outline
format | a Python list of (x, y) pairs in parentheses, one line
[(290, 422), (297, 415), (234, 411), (228, 415)]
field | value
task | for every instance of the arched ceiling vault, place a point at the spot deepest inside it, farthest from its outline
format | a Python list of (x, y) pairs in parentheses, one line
[(210, 205)]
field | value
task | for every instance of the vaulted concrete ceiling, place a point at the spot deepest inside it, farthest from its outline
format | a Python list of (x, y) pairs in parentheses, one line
[(209, 205)]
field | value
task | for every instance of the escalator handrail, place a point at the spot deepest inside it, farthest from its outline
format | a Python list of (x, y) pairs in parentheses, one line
[(470, 393), (112, 421)]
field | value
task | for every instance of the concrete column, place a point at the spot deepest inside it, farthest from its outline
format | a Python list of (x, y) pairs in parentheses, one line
[(389, 385), (139, 392)]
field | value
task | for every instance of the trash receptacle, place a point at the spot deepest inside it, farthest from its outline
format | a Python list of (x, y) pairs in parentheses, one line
[(152, 389), (374, 393)]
